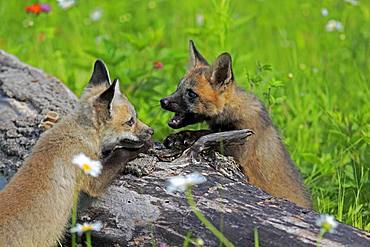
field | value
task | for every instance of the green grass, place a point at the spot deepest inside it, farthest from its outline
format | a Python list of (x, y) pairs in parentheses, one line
[(317, 89)]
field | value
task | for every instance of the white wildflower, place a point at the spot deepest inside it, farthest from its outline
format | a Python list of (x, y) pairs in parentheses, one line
[(96, 14), (65, 4), (89, 166), (86, 227), (199, 19), (181, 183), (327, 223), (353, 2), (324, 12), (334, 25)]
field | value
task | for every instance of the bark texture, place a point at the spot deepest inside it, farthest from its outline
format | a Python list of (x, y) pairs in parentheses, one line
[(138, 211)]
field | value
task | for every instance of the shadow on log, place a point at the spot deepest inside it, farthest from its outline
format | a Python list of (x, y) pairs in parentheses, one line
[(137, 211)]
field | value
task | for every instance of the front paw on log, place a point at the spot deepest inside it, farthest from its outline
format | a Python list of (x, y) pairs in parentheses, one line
[(184, 139), (217, 141)]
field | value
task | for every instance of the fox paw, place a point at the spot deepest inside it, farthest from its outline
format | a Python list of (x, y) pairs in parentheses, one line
[(49, 120), (183, 139)]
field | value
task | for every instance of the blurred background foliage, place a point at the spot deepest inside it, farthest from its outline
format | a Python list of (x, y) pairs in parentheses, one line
[(307, 60)]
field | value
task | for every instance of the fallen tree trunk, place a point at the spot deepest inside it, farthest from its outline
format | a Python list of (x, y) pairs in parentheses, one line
[(137, 211)]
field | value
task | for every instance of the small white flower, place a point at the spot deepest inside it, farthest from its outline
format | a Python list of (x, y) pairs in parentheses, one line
[(334, 25), (89, 166), (199, 19), (327, 223), (181, 183), (324, 12), (86, 227), (96, 14), (353, 2), (65, 4)]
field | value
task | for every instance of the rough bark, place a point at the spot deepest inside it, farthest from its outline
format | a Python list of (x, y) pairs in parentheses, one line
[(138, 211)]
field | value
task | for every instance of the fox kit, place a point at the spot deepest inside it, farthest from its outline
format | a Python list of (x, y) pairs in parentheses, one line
[(209, 93), (36, 204)]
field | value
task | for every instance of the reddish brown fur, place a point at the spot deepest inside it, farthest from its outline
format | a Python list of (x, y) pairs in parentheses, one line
[(263, 159), (204, 88)]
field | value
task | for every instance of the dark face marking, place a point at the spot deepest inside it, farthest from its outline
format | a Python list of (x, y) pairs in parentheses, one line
[(199, 95), (186, 102)]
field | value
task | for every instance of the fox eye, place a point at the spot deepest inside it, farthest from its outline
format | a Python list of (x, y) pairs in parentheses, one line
[(130, 122), (191, 94)]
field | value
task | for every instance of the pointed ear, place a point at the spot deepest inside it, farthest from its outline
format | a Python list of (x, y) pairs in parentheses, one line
[(196, 59), (222, 72), (104, 102), (100, 75)]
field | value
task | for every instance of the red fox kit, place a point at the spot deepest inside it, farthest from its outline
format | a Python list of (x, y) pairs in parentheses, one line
[(209, 93), (36, 205)]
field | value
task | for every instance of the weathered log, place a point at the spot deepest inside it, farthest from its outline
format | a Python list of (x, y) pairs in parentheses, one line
[(138, 211)]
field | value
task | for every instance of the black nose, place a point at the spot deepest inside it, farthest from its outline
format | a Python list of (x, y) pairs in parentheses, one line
[(164, 102)]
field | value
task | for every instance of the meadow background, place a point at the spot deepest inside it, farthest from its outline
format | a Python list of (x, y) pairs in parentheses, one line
[(307, 60)]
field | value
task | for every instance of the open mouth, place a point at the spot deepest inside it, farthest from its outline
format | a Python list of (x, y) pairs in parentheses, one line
[(130, 144), (182, 119), (127, 144)]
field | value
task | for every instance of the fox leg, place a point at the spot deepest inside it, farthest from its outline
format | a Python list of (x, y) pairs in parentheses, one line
[(112, 165)]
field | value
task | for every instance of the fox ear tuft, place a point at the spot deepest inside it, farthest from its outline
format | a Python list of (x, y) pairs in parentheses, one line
[(222, 72), (196, 59), (100, 75), (104, 102)]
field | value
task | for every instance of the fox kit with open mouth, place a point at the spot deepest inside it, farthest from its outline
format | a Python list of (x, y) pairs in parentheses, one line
[(36, 204), (209, 93)]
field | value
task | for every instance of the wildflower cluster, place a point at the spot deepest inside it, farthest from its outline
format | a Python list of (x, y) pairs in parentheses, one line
[(38, 8), (334, 25)]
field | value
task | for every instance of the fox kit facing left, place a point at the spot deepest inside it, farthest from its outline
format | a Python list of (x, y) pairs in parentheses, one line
[(36, 205), (209, 93)]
